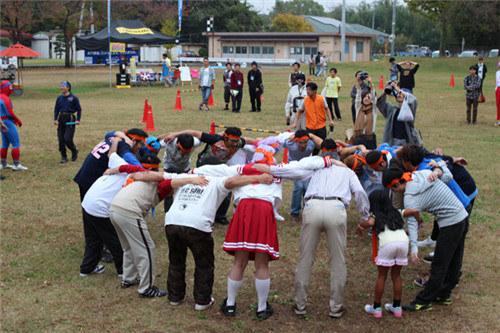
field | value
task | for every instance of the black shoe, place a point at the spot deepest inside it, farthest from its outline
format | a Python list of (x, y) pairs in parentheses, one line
[(74, 155), (415, 307), (228, 310), (252, 111), (106, 255), (2, 177), (222, 220), (428, 258), (263, 315), (127, 284), (226, 108), (443, 301), (153, 292), (258, 110), (64, 160)]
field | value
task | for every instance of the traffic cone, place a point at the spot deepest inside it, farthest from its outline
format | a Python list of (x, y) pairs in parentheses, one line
[(381, 82), (285, 155), (212, 127), (211, 99), (178, 101), (145, 112), (150, 122), (452, 81)]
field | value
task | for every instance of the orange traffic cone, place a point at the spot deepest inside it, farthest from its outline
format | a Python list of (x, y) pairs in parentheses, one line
[(150, 122), (381, 82), (145, 112), (212, 127), (452, 81), (285, 155), (211, 99), (178, 101)]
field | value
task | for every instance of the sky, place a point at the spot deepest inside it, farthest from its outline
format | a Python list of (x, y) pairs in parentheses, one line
[(265, 6)]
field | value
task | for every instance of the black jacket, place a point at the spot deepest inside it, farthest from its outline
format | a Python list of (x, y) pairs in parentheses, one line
[(407, 77), (254, 79)]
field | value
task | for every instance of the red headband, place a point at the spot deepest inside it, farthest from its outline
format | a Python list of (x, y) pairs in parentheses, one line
[(303, 138), (358, 159), (150, 166), (136, 137), (405, 177), (231, 136), (380, 160)]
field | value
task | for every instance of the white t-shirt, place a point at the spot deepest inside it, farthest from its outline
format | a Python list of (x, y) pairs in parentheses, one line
[(195, 206), (206, 77), (498, 79), (98, 198)]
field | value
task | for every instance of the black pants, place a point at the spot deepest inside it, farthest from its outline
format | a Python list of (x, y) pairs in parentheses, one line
[(65, 133), (353, 112), (311, 69), (435, 226), (201, 245), (471, 103), (255, 99), (335, 101), (446, 264), (227, 94), (319, 133), (99, 231), (236, 100)]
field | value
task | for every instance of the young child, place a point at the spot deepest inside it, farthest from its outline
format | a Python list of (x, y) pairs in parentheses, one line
[(391, 254)]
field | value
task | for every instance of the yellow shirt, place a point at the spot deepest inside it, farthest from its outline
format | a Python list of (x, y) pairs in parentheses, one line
[(332, 85)]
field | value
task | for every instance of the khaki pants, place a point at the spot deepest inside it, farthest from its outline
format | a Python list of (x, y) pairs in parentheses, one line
[(318, 216), (364, 122), (138, 249)]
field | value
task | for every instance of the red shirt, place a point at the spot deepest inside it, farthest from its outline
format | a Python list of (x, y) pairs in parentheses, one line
[(237, 80)]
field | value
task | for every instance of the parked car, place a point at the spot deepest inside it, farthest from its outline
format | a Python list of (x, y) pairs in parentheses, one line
[(8, 68), (435, 54), (493, 53), (189, 54), (468, 54)]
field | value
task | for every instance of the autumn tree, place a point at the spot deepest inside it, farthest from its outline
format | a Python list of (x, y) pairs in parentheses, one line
[(16, 17), (290, 23)]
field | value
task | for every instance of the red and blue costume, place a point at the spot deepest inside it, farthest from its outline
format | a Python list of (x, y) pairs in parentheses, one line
[(10, 136)]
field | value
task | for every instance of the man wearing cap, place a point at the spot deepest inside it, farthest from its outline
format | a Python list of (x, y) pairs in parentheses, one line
[(295, 100), (10, 136), (255, 87), (67, 114)]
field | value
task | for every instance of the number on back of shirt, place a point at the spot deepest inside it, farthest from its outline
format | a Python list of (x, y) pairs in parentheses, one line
[(100, 149)]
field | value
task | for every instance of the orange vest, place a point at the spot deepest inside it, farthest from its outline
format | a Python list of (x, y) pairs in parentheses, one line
[(315, 112)]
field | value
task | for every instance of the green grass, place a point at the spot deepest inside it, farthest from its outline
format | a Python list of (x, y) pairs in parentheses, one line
[(41, 229)]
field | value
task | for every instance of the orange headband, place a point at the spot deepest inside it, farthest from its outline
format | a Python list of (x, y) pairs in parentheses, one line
[(231, 136), (358, 160), (136, 137), (303, 138), (268, 156), (328, 150), (406, 177), (151, 148), (150, 166), (380, 160)]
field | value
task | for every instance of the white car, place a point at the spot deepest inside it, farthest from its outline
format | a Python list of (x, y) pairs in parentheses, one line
[(435, 54), (468, 54), (493, 53)]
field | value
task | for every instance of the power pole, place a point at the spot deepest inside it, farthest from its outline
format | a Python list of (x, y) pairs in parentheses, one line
[(373, 17), (342, 35), (393, 30)]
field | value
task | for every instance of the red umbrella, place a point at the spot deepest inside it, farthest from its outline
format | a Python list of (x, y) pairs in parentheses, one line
[(20, 51)]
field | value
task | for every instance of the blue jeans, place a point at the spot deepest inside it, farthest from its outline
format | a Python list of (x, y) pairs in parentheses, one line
[(299, 189), (205, 94)]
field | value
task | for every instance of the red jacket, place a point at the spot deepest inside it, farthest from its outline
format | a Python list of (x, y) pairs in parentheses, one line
[(237, 80)]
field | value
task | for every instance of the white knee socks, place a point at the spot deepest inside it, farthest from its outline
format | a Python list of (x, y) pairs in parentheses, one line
[(232, 291), (262, 287)]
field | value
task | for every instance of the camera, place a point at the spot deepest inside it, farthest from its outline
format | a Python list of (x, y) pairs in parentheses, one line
[(389, 89), (363, 75)]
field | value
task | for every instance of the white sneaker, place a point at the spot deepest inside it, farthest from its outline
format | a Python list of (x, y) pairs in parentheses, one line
[(18, 167), (428, 242), (278, 217), (8, 166), (199, 307), (99, 269), (396, 311)]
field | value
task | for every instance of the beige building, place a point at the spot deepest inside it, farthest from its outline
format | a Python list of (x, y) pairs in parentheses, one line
[(296, 45)]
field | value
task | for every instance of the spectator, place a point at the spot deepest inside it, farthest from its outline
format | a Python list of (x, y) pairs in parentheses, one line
[(396, 132), (407, 70), (317, 61), (332, 87), (472, 86), (207, 81), (67, 114), (312, 65), (481, 73), (393, 71), (292, 80), (236, 88), (354, 91), (255, 87), (294, 101), (226, 78)]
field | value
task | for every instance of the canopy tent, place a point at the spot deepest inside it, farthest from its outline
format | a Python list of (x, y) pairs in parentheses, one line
[(122, 31), (20, 51)]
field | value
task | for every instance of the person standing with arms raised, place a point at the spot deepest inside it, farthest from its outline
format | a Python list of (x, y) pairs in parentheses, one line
[(255, 87), (67, 114)]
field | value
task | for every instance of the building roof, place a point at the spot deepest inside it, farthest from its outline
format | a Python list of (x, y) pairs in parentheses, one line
[(331, 25)]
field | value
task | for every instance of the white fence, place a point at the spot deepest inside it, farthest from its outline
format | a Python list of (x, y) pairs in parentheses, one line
[(223, 60)]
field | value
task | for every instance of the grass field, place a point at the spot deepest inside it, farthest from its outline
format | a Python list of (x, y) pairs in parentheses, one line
[(42, 236)]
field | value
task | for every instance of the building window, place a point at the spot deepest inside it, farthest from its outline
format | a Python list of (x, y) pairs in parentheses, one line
[(310, 50), (227, 49), (255, 49), (241, 50), (359, 47), (295, 50), (267, 50), (346, 47)]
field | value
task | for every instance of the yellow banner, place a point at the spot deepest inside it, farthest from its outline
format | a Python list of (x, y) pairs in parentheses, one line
[(117, 47), (137, 31)]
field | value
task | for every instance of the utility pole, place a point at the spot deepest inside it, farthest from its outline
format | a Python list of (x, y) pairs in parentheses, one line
[(393, 30), (373, 17), (92, 28), (342, 35)]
